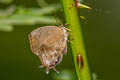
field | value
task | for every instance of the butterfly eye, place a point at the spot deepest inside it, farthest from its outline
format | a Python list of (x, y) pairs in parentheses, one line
[(56, 62)]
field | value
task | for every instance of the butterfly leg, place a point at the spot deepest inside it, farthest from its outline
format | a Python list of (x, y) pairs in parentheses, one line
[(41, 66), (41, 63), (55, 70), (47, 70), (65, 50), (68, 29), (60, 57)]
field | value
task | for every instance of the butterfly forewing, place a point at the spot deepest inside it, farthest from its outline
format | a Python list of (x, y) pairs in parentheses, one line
[(47, 35)]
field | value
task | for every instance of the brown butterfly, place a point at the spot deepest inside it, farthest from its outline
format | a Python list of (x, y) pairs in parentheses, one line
[(50, 44)]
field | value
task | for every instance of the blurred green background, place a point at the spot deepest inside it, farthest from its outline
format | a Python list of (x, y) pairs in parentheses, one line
[(19, 17)]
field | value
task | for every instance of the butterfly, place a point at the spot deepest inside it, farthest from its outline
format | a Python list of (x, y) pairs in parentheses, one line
[(49, 43)]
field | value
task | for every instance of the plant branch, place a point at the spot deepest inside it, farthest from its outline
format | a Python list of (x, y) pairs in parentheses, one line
[(77, 45)]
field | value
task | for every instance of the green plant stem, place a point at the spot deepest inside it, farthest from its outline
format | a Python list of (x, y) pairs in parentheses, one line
[(77, 45)]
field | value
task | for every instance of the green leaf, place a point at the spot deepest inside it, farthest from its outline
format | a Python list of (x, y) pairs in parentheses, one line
[(42, 3), (27, 16), (21, 19), (7, 28), (8, 11), (6, 1), (39, 11)]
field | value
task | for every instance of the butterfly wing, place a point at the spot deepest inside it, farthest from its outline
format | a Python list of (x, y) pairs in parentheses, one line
[(44, 37)]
